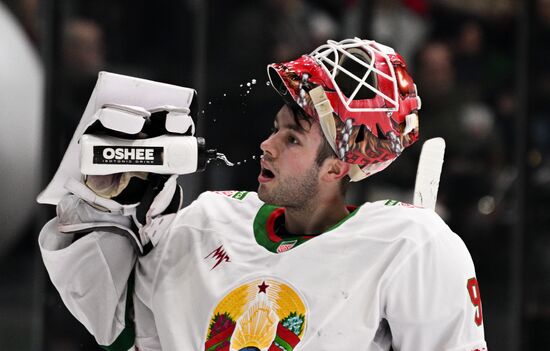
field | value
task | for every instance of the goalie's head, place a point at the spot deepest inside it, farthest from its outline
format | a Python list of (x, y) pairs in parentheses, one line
[(362, 95)]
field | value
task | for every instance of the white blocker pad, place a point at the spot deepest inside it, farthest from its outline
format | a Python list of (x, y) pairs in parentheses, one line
[(112, 89)]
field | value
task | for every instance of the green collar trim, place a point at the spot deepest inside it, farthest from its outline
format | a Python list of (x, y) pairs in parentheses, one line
[(265, 231)]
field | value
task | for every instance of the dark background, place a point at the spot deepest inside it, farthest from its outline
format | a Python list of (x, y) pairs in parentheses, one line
[(481, 70)]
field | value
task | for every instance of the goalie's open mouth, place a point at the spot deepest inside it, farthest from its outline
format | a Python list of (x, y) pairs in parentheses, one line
[(265, 174)]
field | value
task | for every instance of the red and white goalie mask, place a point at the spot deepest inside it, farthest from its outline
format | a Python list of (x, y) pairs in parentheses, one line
[(361, 94)]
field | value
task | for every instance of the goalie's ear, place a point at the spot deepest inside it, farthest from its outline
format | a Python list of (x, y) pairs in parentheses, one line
[(334, 169)]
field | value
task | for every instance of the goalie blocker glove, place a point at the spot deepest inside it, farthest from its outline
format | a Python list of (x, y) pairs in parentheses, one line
[(133, 204)]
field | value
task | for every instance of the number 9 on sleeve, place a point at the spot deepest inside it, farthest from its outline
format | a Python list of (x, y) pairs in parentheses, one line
[(475, 296)]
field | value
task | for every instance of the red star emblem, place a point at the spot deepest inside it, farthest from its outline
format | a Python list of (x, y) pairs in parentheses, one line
[(263, 288)]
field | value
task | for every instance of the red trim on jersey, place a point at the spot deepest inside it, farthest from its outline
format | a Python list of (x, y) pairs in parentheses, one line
[(270, 224)]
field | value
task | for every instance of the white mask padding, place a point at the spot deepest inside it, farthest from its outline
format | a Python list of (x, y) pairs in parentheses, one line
[(417, 97), (123, 118), (411, 123), (347, 48), (324, 111), (368, 170), (356, 174)]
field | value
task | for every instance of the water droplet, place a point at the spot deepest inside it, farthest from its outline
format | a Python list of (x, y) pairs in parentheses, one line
[(209, 102), (268, 83), (222, 157), (254, 157), (247, 84), (261, 156), (253, 81), (244, 161), (241, 85), (238, 163), (202, 111), (248, 91), (224, 94), (214, 120)]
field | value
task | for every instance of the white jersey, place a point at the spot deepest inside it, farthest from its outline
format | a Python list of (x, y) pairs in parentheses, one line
[(221, 278)]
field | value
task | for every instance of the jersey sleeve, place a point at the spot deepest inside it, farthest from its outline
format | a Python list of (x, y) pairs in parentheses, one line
[(433, 300), (92, 277)]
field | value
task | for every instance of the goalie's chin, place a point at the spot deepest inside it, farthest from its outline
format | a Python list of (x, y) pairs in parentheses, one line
[(265, 193), (262, 192)]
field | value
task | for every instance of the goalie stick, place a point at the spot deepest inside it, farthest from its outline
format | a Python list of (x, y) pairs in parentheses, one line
[(428, 173)]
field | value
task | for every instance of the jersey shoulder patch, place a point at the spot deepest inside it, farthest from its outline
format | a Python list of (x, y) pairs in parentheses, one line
[(399, 203), (234, 194)]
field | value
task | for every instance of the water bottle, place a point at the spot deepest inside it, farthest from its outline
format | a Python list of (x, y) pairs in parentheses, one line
[(165, 154)]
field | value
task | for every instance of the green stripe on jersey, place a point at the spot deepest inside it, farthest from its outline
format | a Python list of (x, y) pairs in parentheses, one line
[(283, 345), (123, 342), (262, 237)]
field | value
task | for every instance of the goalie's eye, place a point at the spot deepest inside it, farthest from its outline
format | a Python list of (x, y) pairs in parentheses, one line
[(275, 127), (292, 139)]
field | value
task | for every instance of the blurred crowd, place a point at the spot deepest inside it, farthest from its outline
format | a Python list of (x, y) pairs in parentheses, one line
[(464, 56)]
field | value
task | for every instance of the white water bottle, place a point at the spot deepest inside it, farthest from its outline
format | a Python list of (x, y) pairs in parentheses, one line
[(165, 154)]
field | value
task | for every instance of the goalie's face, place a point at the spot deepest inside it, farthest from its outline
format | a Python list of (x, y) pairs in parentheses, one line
[(289, 174)]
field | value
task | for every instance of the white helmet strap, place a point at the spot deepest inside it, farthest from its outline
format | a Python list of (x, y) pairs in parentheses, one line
[(324, 111)]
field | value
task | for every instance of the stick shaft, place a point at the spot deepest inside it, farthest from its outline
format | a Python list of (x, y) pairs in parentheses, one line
[(428, 173)]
